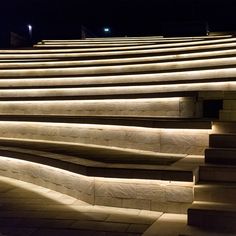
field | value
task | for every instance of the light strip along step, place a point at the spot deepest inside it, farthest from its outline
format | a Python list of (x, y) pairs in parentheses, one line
[(88, 167), (101, 39), (119, 53), (176, 140), (34, 63), (110, 44), (118, 92), (121, 69), (150, 122), (125, 48), (156, 107), (130, 82)]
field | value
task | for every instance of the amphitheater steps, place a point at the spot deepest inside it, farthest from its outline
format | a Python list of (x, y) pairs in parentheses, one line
[(89, 167)]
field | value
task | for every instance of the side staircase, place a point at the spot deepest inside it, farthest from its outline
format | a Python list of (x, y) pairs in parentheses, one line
[(214, 206)]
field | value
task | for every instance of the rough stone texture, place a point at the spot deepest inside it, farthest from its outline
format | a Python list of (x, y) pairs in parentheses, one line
[(170, 197), (159, 140), (128, 193), (167, 107)]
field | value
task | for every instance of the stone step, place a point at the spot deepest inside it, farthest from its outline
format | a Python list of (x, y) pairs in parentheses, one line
[(141, 121), (227, 115), (222, 140), (159, 107), (82, 164), (217, 173), (180, 47), (98, 183), (181, 141), (221, 127), (214, 216), (215, 192), (223, 156)]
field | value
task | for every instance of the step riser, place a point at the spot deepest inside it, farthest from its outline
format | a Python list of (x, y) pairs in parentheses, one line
[(220, 156), (224, 127), (155, 195), (215, 174), (169, 107), (222, 141), (215, 194), (212, 220)]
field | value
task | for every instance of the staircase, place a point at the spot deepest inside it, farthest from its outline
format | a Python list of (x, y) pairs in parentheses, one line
[(214, 206)]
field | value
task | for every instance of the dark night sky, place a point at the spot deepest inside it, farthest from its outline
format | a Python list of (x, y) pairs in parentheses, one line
[(63, 18)]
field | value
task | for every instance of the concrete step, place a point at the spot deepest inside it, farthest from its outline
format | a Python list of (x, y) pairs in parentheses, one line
[(215, 192), (222, 140), (223, 156), (217, 173), (159, 107), (123, 185), (213, 216), (220, 127), (82, 164), (141, 121)]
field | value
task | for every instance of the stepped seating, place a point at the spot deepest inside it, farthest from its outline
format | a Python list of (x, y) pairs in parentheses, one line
[(119, 122)]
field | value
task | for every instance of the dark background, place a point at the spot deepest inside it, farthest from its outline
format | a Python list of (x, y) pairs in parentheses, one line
[(63, 18)]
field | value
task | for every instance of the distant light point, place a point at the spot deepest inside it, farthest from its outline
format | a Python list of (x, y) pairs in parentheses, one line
[(106, 30)]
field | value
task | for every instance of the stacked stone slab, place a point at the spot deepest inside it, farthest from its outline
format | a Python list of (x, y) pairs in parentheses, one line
[(115, 121)]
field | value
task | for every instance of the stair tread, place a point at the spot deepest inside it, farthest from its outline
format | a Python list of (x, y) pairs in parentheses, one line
[(215, 184), (213, 206)]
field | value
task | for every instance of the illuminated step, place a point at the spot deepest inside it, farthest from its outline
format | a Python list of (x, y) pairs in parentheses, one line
[(125, 47), (215, 192), (215, 216), (138, 121), (131, 39), (224, 127), (217, 173), (147, 63), (108, 92), (128, 74), (145, 50), (177, 141), (156, 107), (27, 63), (84, 44), (224, 156), (114, 185), (147, 67), (145, 37)]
